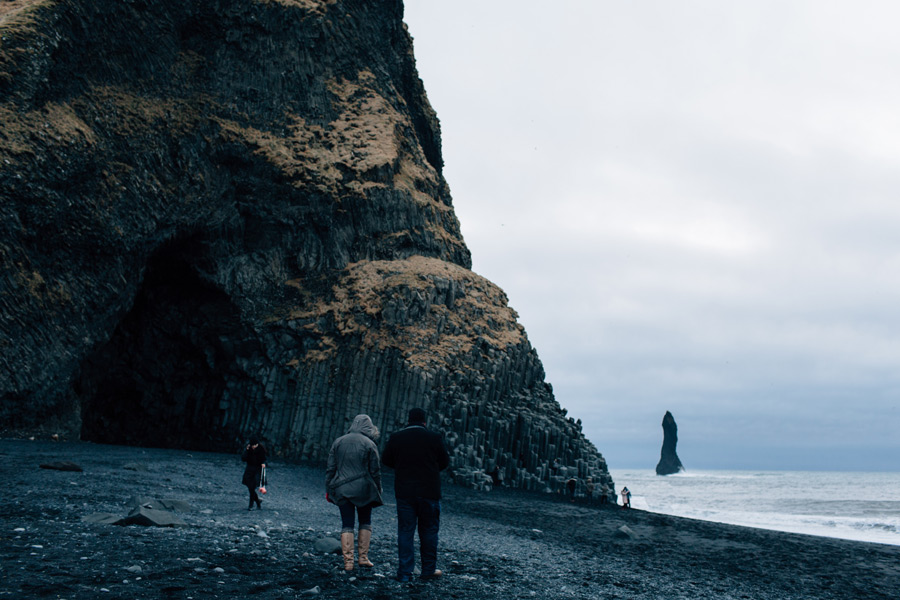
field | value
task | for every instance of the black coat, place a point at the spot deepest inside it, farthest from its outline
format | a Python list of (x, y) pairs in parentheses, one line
[(417, 456), (255, 459)]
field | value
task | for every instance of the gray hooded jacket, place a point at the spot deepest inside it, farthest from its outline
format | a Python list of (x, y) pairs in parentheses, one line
[(353, 472)]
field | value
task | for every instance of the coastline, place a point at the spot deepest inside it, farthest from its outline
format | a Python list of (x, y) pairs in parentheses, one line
[(500, 544), (853, 505)]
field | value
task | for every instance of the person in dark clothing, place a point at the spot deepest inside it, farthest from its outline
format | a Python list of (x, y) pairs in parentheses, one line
[(571, 484), (417, 456), (255, 457)]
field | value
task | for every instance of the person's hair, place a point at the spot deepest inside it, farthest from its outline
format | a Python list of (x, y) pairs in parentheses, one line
[(416, 415), (254, 440)]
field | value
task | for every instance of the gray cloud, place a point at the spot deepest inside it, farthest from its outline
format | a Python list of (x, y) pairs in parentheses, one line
[(692, 206)]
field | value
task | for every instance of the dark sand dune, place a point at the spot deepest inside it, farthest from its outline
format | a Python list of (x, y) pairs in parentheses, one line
[(494, 545)]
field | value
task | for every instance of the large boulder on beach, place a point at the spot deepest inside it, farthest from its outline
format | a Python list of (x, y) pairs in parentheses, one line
[(229, 218), (669, 462), (151, 517), (102, 519)]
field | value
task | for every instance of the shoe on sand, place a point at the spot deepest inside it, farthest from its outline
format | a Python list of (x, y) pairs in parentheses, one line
[(437, 573)]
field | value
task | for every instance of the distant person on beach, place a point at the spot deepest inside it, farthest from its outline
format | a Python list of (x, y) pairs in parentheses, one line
[(589, 490), (496, 476), (626, 497), (255, 457), (353, 482), (571, 484), (417, 456)]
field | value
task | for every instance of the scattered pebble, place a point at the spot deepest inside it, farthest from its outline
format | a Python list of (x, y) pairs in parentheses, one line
[(312, 591)]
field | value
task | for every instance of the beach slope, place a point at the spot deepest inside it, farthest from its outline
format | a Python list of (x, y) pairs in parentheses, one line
[(494, 545)]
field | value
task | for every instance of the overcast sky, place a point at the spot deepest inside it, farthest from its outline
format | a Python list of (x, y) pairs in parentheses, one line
[(693, 206)]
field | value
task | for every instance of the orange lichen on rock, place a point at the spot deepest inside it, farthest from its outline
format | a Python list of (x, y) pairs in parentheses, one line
[(17, 13), (365, 147), (52, 125), (429, 309), (314, 6)]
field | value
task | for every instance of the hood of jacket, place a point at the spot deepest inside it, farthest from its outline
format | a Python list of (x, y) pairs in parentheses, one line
[(363, 424)]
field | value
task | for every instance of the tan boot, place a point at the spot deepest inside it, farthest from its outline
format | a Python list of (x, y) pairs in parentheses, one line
[(365, 537), (347, 549)]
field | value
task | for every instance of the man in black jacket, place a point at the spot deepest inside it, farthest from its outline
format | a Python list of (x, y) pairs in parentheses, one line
[(417, 456)]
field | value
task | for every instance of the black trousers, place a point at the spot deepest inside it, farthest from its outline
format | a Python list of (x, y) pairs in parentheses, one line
[(253, 496)]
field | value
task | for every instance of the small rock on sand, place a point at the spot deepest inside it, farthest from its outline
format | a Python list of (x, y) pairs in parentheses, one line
[(62, 465), (136, 467), (327, 545)]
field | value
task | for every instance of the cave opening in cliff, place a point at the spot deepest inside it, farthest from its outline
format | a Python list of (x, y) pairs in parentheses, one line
[(158, 380)]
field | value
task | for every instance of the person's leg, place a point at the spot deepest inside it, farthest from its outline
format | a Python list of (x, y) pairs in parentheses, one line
[(365, 535), (253, 496), (348, 516), (348, 513), (406, 531), (429, 523)]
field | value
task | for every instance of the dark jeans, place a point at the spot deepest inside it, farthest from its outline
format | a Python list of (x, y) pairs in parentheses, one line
[(424, 514), (347, 513)]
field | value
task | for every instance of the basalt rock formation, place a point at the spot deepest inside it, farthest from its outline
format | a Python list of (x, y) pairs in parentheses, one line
[(669, 462), (225, 217)]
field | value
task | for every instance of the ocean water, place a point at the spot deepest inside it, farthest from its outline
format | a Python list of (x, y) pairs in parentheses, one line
[(850, 505)]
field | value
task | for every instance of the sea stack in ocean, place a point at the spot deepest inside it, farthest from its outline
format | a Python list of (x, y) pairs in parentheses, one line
[(668, 460)]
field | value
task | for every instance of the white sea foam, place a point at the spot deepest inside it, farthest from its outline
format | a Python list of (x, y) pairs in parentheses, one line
[(857, 506)]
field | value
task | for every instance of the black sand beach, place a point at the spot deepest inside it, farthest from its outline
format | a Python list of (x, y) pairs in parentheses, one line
[(494, 545)]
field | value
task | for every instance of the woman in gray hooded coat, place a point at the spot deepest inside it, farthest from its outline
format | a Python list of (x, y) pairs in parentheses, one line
[(353, 482)]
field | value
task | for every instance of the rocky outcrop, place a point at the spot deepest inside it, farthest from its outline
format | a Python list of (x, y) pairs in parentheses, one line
[(669, 462), (228, 217)]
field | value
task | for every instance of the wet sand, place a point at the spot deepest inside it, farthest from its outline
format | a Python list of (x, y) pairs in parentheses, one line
[(494, 545)]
